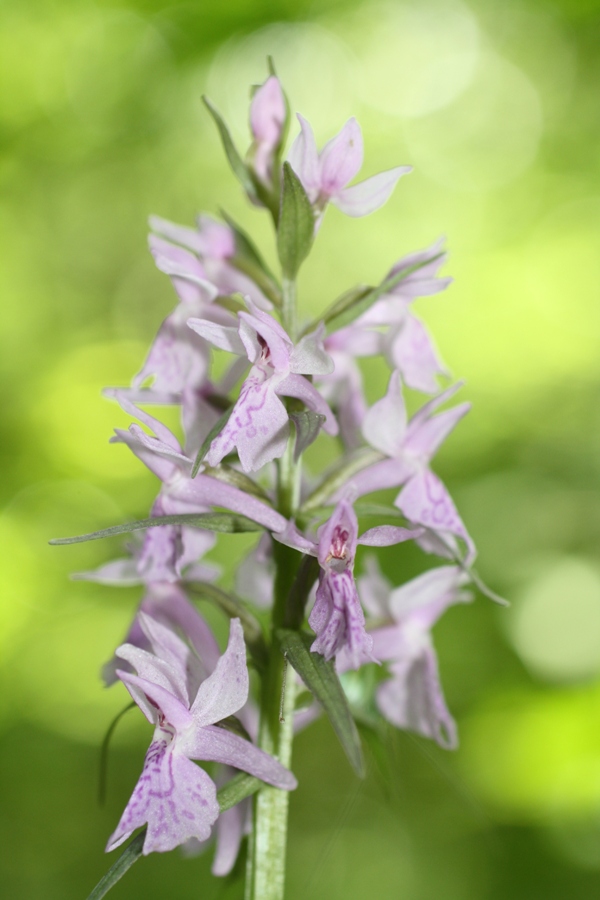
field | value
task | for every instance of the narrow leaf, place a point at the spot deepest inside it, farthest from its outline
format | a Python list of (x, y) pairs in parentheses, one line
[(104, 752), (308, 424), (295, 606), (221, 522), (236, 790), (354, 303), (246, 248), (212, 434), (236, 162), (131, 854), (296, 227), (321, 679)]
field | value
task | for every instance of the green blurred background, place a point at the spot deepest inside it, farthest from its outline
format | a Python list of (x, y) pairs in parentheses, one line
[(496, 106)]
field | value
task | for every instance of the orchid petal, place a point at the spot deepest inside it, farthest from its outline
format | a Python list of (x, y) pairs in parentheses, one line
[(338, 620), (171, 649), (381, 475), (298, 386), (304, 159), (309, 356), (291, 537), (156, 446), (217, 744), (426, 597), (425, 501), (267, 112), (338, 536), (117, 572), (222, 336), (177, 359), (158, 697), (164, 434), (226, 690), (386, 535), (424, 440), (413, 699), (181, 234), (384, 425), (167, 674), (177, 799), (341, 158), (229, 831), (217, 240), (169, 604), (206, 491), (367, 196), (159, 466), (257, 428), (272, 334), (374, 591), (410, 349)]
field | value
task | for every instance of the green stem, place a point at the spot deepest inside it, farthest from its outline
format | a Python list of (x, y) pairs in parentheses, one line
[(288, 307), (265, 877)]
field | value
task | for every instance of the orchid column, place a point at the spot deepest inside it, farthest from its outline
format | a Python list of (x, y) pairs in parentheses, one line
[(238, 468)]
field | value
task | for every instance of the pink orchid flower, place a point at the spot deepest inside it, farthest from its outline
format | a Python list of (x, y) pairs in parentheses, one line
[(176, 798), (325, 175), (412, 698), (258, 427), (409, 447), (337, 617), (161, 452), (406, 344)]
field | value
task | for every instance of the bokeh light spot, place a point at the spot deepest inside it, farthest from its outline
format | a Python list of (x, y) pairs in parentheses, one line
[(555, 623)]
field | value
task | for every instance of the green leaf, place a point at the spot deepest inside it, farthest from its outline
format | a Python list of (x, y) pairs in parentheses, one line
[(212, 434), (131, 854), (222, 522), (321, 679), (296, 227), (308, 572), (104, 752), (236, 790), (357, 301), (338, 475), (236, 162), (246, 249), (308, 425)]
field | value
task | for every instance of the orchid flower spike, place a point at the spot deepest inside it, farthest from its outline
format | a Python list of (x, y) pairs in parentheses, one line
[(258, 427), (325, 175), (176, 798)]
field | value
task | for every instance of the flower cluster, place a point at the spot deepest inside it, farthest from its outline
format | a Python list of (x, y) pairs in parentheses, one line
[(239, 467)]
